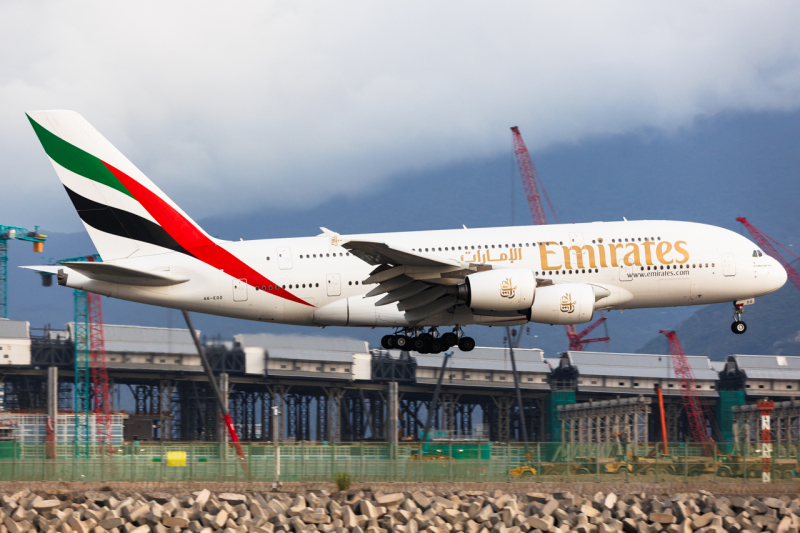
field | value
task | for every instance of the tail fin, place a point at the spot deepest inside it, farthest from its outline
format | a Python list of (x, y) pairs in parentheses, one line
[(123, 211)]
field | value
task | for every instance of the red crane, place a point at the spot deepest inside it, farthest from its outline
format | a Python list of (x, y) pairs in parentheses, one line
[(577, 341), (763, 240), (691, 402), (97, 361), (533, 184)]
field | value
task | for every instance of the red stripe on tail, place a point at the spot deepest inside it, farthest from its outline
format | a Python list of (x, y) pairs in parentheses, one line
[(195, 241)]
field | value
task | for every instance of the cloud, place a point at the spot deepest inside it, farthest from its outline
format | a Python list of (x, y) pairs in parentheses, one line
[(243, 105)]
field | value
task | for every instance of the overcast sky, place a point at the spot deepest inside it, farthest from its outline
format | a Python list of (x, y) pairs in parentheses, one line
[(237, 106)]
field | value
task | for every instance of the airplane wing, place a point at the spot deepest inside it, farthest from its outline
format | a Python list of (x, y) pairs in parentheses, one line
[(421, 284)]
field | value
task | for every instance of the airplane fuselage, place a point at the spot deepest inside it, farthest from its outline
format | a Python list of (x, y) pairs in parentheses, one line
[(641, 264)]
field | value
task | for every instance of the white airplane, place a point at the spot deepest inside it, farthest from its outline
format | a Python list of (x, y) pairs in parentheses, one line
[(413, 282)]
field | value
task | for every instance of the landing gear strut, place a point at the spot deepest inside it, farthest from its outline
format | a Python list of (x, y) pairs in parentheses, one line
[(738, 325)]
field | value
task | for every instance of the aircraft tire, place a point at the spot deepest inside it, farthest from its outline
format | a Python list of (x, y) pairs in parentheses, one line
[(387, 341), (466, 344), (738, 327), (401, 342), (450, 339)]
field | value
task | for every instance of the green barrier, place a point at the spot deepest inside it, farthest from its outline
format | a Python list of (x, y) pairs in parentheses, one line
[(368, 462)]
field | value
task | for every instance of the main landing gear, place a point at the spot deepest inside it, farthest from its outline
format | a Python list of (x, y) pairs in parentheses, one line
[(416, 340), (738, 325)]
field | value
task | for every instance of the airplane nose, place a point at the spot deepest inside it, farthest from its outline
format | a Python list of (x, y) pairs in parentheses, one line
[(778, 274)]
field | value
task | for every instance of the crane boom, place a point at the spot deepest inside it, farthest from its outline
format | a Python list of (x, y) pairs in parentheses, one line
[(533, 185), (691, 403), (763, 240), (529, 175)]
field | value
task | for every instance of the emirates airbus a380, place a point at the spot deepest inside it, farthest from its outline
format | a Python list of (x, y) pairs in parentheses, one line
[(425, 285)]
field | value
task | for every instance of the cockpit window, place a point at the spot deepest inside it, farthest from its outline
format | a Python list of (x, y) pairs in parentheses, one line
[(757, 253)]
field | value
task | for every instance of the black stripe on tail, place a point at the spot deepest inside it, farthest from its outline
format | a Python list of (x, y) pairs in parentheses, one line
[(122, 223)]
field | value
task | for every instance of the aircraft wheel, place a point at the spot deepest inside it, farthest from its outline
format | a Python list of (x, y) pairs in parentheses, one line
[(466, 344), (417, 344), (437, 346), (401, 342), (738, 327), (450, 339)]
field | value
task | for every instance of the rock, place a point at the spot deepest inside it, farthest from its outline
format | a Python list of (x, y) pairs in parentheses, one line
[(391, 500), (141, 529), (231, 498), (315, 518), (484, 514), (111, 523), (549, 507), (662, 518), (589, 510), (220, 519), (421, 500), (540, 523), (202, 497), (348, 518), (46, 505), (702, 521), (610, 501), (369, 510), (772, 503), (174, 521)]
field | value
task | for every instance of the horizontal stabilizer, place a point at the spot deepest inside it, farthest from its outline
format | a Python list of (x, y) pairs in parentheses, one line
[(117, 274)]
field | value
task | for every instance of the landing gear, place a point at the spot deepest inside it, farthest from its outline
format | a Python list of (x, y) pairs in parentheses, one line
[(738, 325), (416, 340)]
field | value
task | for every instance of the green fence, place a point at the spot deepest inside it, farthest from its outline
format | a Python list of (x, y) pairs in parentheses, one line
[(441, 461)]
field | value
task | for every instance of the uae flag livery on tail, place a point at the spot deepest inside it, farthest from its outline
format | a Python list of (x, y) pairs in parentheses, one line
[(124, 212)]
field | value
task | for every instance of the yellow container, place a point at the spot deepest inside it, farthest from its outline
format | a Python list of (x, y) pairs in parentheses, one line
[(38, 246), (176, 458)]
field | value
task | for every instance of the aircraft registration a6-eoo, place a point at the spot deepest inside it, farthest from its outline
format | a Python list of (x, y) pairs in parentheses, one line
[(416, 283)]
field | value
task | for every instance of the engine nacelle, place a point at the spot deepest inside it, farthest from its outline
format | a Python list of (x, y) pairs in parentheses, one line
[(563, 303), (508, 289)]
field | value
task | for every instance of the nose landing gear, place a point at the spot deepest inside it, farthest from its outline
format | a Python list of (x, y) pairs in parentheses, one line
[(738, 325)]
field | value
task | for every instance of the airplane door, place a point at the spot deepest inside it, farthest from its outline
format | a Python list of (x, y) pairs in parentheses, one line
[(284, 258), (728, 265), (625, 272), (334, 283), (240, 290)]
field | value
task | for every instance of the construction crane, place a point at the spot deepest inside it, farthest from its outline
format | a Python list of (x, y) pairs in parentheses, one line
[(576, 339), (90, 362), (533, 185), (691, 402), (8, 233), (765, 242)]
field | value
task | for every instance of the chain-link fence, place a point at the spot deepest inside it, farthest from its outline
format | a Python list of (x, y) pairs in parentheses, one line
[(380, 462)]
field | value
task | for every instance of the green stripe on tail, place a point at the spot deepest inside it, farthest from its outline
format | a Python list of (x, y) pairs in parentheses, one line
[(76, 160)]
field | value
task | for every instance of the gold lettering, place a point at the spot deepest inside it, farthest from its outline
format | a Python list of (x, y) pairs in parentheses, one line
[(579, 254), (663, 249), (543, 253), (567, 262), (602, 254), (612, 248), (681, 250), (647, 256), (635, 253)]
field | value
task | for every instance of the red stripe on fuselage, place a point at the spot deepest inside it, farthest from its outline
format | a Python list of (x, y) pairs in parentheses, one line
[(195, 241)]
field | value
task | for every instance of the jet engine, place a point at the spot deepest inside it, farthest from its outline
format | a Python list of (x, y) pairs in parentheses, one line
[(499, 290), (563, 303)]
